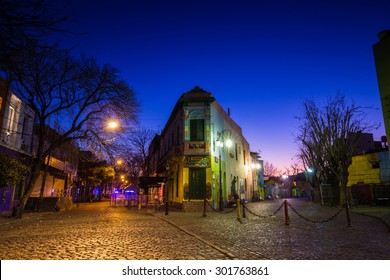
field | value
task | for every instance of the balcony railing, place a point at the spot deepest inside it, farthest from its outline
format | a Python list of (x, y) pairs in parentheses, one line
[(197, 147), (14, 141)]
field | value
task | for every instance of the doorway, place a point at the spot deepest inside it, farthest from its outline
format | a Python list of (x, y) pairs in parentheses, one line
[(197, 183)]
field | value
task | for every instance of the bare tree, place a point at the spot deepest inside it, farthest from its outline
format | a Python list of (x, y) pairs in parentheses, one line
[(134, 151), (139, 141), (24, 23), (295, 168), (80, 93), (270, 169), (327, 138), (135, 164)]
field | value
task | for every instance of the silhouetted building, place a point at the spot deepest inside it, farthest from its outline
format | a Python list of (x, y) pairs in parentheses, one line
[(365, 144)]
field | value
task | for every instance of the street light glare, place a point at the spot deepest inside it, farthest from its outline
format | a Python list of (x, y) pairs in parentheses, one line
[(113, 124), (229, 143)]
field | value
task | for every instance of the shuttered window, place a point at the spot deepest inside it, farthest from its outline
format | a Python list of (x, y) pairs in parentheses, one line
[(197, 130)]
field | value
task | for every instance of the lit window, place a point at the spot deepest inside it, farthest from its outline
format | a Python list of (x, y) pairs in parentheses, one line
[(11, 116)]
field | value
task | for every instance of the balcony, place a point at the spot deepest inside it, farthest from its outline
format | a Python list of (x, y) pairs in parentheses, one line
[(15, 142), (196, 148)]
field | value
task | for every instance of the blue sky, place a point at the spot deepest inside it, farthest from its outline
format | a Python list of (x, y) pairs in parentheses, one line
[(261, 59)]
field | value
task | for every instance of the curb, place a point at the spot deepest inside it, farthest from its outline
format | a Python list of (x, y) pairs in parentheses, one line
[(226, 253), (383, 221)]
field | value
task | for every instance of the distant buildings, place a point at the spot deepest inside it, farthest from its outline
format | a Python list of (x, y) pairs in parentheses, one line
[(201, 153)]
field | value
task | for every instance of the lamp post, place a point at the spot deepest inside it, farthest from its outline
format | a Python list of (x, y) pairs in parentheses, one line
[(307, 173), (222, 137)]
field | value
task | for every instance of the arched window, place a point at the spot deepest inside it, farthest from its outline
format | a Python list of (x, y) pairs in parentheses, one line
[(197, 125)]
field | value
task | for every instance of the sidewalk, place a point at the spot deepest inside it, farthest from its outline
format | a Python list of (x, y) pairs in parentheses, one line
[(7, 219)]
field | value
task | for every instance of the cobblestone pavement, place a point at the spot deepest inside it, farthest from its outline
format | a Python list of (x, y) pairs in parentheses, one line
[(98, 231), (255, 238)]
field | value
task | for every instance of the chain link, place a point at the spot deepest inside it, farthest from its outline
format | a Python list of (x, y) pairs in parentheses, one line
[(263, 217), (312, 221), (215, 210), (277, 210)]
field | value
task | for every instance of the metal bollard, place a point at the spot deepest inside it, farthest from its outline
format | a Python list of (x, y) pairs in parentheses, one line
[(166, 207), (238, 210), (243, 209), (286, 216), (349, 223), (204, 208)]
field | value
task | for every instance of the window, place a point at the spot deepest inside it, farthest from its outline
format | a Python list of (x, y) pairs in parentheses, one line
[(24, 127), (11, 116), (375, 164), (197, 130)]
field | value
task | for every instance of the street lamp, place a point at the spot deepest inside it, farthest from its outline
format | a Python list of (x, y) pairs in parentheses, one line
[(307, 173), (113, 124), (223, 138)]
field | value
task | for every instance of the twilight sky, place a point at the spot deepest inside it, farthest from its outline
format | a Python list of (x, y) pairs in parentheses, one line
[(259, 58)]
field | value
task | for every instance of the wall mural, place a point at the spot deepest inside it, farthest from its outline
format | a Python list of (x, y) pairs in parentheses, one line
[(197, 162)]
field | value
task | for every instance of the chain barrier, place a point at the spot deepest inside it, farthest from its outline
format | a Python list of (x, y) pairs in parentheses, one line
[(260, 216), (312, 221), (286, 205), (216, 210)]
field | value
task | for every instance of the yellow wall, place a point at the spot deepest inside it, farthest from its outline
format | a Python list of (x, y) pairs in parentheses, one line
[(361, 170)]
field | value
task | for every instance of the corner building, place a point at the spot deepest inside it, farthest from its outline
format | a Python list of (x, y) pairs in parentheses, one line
[(190, 156)]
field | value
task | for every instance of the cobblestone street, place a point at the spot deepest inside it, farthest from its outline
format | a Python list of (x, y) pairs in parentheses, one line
[(98, 231)]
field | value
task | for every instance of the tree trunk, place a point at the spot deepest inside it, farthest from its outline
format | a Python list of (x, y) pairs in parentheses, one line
[(35, 172), (344, 195)]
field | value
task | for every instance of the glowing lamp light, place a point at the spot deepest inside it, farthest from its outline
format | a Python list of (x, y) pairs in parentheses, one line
[(229, 143), (256, 166), (113, 124)]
